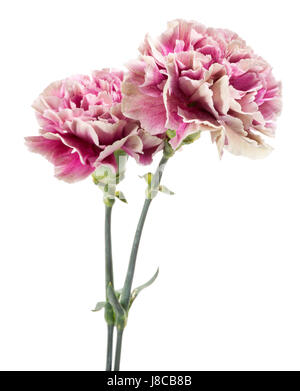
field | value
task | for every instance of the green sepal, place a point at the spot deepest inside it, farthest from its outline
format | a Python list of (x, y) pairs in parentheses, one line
[(191, 138), (137, 290), (151, 190), (97, 179), (168, 150), (107, 179), (171, 133), (119, 155), (99, 306), (148, 178), (120, 195), (165, 190)]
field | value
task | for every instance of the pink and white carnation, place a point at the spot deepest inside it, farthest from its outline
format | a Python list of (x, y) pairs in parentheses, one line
[(194, 79), (82, 126)]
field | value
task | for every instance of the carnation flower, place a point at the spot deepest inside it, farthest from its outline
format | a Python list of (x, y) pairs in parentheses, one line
[(82, 126), (194, 79)]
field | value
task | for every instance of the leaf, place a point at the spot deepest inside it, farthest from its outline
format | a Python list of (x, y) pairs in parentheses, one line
[(137, 290), (118, 293), (99, 306), (121, 314), (113, 300), (165, 190), (120, 195)]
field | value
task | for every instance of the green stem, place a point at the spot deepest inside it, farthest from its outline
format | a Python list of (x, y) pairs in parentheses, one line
[(109, 278), (109, 275), (109, 352), (118, 350), (126, 291)]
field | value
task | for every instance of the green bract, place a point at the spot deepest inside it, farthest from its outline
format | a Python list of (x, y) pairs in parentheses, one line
[(107, 179)]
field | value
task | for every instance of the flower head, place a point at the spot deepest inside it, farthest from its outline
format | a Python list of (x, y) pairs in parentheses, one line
[(82, 126), (194, 79)]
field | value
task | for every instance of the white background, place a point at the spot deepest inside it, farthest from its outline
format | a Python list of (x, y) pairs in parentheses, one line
[(227, 243)]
